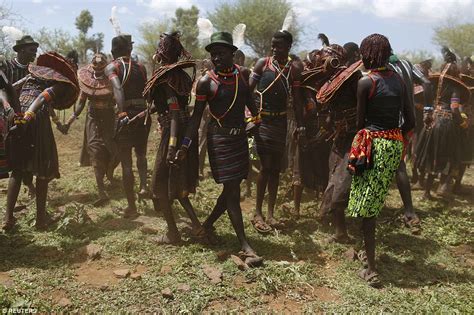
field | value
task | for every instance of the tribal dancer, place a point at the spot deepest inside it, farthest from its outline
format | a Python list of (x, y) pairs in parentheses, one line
[(339, 95), (170, 89), (8, 101), (410, 75), (31, 147), (276, 79), (420, 100), (239, 59), (311, 167), (99, 148), (381, 97), (352, 53), (227, 93), (16, 71), (439, 147), (128, 80), (206, 65), (467, 127)]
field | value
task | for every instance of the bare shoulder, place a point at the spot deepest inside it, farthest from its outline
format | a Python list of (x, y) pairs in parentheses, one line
[(258, 68), (111, 68), (203, 84), (298, 65)]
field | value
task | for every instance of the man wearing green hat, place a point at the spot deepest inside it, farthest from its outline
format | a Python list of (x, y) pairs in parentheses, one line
[(128, 79), (17, 68), (226, 91)]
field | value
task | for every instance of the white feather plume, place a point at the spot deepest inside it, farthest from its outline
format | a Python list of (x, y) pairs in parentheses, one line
[(238, 35), (288, 22), (12, 33), (205, 30), (115, 21)]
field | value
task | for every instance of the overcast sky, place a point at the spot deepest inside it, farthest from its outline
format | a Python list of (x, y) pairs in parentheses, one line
[(408, 23)]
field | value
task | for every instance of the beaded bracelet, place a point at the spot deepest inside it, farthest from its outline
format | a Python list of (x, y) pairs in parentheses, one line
[(172, 142), (186, 142)]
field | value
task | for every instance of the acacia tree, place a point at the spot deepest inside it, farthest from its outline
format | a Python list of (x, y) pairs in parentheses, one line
[(7, 17), (85, 21), (459, 37), (185, 21), (262, 17), (150, 34), (54, 40)]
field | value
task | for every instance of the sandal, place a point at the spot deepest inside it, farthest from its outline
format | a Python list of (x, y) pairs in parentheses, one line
[(413, 221), (260, 226), (371, 279), (241, 265), (166, 240), (9, 225), (126, 213), (204, 235), (275, 224), (251, 259)]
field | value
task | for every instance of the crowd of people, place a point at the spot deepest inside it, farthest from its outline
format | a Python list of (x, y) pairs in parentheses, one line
[(344, 119)]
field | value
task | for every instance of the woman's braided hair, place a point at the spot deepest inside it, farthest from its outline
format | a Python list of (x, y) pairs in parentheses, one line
[(375, 50), (170, 49)]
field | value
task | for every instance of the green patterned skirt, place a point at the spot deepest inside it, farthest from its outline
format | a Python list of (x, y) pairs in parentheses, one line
[(368, 191)]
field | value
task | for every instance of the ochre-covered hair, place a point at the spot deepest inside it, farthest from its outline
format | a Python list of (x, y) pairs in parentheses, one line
[(170, 48), (375, 50)]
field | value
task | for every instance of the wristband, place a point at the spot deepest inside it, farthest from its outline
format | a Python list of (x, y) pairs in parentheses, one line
[(255, 76), (29, 115), (173, 103), (428, 108), (172, 142), (186, 142), (201, 98), (48, 94), (257, 119), (122, 115)]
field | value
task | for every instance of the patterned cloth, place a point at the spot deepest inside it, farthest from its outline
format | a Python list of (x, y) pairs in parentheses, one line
[(369, 190), (360, 157), (228, 157), (271, 139), (178, 181), (98, 147), (3, 155)]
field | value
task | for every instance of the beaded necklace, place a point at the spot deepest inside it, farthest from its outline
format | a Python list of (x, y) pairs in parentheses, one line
[(226, 75)]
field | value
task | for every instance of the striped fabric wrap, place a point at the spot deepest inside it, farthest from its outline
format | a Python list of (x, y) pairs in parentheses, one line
[(271, 137), (3, 154), (165, 120), (228, 157)]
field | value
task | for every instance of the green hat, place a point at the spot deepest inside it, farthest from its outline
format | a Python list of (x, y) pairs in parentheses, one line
[(222, 39), (24, 41)]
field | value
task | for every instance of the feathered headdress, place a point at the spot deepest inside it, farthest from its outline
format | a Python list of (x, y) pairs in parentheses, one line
[(115, 22), (324, 39), (206, 29), (238, 35), (288, 21), (12, 33), (448, 55)]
